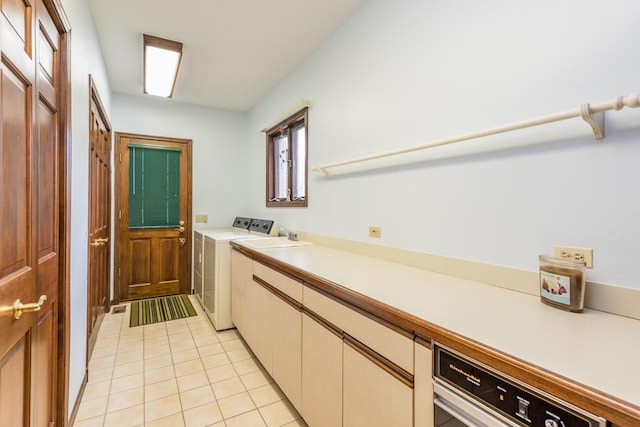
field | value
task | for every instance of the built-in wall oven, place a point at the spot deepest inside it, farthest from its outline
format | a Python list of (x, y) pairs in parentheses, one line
[(468, 393)]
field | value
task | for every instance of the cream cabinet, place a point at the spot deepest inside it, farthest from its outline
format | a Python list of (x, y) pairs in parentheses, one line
[(251, 309), (355, 369), (321, 373), (372, 395), (259, 330), (267, 312), (287, 349), (337, 366), (423, 393), (376, 335)]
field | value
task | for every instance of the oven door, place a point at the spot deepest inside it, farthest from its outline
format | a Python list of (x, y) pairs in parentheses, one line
[(454, 410)]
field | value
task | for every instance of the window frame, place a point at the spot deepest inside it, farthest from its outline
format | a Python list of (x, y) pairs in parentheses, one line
[(289, 123)]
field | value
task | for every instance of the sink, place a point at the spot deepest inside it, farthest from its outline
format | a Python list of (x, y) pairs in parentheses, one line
[(273, 242)]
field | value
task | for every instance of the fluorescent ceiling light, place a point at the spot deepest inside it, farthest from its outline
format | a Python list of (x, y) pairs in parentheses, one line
[(161, 63)]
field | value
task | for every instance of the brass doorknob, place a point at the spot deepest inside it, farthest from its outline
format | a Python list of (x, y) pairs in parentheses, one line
[(19, 307)]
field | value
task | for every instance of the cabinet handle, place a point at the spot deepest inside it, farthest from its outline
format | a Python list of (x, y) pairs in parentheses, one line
[(323, 322), (284, 297), (391, 368)]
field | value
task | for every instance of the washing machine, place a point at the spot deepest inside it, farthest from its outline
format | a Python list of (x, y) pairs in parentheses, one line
[(212, 265)]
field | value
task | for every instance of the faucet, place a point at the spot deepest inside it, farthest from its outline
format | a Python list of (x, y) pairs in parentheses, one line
[(293, 236)]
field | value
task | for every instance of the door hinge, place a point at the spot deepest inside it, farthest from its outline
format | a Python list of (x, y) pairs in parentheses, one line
[(119, 214), (120, 157), (119, 271)]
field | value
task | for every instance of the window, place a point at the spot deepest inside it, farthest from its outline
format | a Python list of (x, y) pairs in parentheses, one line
[(287, 162), (154, 186)]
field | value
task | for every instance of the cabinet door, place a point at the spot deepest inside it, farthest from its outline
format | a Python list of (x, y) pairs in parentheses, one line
[(287, 349), (241, 274), (259, 329), (251, 310), (321, 374), (372, 396), (423, 386)]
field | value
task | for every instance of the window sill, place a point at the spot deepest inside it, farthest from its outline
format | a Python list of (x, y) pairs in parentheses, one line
[(291, 204)]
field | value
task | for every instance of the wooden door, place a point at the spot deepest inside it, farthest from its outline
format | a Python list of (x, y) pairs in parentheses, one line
[(29, 212), (154, 204), (99, 216)]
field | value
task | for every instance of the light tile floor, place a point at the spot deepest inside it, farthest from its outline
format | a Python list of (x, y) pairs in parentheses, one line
[(178, 373)]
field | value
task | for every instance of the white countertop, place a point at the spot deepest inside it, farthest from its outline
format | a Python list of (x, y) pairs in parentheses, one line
[(594, 348)]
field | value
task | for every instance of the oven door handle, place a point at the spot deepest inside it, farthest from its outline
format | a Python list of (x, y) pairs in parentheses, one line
[(465, 410), (455, 412)]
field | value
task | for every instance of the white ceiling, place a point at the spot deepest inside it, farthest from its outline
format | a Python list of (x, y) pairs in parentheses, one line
[(234, 51)]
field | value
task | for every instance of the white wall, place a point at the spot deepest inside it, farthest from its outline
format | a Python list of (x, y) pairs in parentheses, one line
[(406, 72), (219, 149), (86, 58)]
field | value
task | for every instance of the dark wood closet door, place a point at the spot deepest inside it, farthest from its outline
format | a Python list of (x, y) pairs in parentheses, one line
[(98, 293), (29, 212)]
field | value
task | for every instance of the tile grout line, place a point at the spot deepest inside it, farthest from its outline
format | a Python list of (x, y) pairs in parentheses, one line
[(200, 359), (194, 338)]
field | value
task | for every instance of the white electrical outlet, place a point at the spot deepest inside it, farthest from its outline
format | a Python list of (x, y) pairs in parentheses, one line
[(576, 254)]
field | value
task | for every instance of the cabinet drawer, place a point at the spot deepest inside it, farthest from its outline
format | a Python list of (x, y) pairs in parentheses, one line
[(284, 284), (380, 338)]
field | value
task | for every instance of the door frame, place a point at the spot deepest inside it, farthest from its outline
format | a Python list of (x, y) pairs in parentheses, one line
[(64, 227), (117, 153)]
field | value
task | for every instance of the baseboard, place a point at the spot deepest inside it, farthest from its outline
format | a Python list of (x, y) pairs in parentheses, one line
[(76, 405), (613, 299), (602, 297)]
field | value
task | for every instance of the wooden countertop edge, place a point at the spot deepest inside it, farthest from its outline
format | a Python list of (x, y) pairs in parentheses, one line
[(615, 410)]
